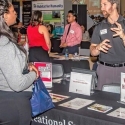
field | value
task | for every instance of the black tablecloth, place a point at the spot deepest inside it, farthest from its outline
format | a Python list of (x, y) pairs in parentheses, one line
[(68, 64), (65, 116), (55, 43)]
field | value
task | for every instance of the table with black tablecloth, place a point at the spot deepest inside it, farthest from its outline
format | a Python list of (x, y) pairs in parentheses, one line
[(69, 64), (65, 116), (85, 45), (55, 45)]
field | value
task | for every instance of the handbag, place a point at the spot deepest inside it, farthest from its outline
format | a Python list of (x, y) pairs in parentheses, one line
[(41, 100)]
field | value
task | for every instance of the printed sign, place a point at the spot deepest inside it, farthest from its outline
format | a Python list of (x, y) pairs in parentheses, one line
[(27, 12), (17, 8), (45, 72), (80, 83), (48, 5), (122, 87)]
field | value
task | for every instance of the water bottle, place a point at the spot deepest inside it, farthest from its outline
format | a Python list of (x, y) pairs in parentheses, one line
[(66, 54), (76, 57)]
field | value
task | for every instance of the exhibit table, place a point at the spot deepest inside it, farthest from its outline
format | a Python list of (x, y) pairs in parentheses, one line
[(67, 116), (86, 63)]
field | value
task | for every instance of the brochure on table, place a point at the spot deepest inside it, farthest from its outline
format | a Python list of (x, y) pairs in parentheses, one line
[(57, 97), (100, 108), (80, 83), (77, 103), (45, 72), (118, 113), (122, 87)]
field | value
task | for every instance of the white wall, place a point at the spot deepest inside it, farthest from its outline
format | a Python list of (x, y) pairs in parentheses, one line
[(67, 7)]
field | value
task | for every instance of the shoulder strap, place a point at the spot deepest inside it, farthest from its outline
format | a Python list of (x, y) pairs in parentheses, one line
[(68, 31)]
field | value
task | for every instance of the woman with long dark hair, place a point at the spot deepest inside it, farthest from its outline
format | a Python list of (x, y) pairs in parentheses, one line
[(52, 31), (15, 87), (39, 41)]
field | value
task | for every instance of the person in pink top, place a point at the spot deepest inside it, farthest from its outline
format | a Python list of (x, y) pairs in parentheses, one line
[(72, 36)]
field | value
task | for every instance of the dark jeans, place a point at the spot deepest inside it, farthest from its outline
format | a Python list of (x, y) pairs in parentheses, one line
[(72, 49), (15, 108)]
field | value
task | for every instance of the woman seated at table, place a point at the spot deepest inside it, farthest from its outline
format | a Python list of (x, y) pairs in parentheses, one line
[(85, 36), (39, 41), (52, 31)]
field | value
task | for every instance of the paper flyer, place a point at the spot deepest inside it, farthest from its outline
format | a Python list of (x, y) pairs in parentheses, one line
[(100, 108), (57, 97), (45, 72), (118, 113), (77, 103)]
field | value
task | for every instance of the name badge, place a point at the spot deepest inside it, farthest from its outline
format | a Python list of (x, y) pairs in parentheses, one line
[(71, 31), (104, 31)]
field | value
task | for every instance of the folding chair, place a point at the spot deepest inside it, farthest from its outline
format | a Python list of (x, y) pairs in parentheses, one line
[(57, 72)]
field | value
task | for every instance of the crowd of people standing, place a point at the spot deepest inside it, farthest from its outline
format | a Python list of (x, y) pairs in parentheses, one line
[(107, 42)]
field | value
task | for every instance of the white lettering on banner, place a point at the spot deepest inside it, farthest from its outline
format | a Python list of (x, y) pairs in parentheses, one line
[(70, 123), (45, 5), (55, 122), (50, 122), (44, 120), (48, 6), (60, 123)]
